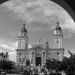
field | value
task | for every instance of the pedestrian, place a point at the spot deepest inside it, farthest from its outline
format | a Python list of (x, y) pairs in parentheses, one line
[(25, 72)]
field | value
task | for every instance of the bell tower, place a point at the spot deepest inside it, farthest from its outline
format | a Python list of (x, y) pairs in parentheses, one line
[(58, 36), (23, 38)]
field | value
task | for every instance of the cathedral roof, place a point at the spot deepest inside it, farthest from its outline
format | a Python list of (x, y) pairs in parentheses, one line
[(39, 46), (23, 28)]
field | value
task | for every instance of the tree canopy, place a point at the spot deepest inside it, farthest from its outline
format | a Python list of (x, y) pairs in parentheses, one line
[(6, 65), (67, 64)]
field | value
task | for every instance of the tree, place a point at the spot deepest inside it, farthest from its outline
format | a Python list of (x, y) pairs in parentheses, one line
[(67, 64), (6, 65), (53, 64)]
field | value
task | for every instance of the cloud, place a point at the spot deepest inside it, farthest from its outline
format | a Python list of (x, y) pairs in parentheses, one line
[(69, 24), (70, 35), (66, 53), (14, 44), (10, 47), (12, 56), (7, 46), (41, 11)]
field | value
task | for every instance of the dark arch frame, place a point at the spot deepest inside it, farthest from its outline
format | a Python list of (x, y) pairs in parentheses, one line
[(63, 4)]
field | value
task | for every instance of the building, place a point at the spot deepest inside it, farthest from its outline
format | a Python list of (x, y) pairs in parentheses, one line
[(39, 53), (4, 56)]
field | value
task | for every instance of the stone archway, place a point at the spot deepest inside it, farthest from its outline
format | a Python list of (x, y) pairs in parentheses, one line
[(66, 7)]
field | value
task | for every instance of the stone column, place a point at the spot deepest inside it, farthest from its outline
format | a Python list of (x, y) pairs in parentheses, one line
[(42, 59), (45, 57), (33, 58)]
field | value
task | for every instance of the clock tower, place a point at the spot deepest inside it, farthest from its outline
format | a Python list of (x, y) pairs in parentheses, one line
[(58, 36)]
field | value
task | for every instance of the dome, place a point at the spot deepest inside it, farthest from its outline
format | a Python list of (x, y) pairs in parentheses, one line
[(23, 29), (58, 27)]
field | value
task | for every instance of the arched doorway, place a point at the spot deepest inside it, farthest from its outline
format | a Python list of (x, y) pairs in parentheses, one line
[(27, 62), (38, 59)]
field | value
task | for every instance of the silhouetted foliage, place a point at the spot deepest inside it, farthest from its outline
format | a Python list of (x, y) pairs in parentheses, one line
[(67, 64), (53, 64), (6, 65)]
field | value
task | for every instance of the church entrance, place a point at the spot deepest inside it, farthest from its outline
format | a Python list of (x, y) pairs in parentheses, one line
[(27, 62), (38, 61)]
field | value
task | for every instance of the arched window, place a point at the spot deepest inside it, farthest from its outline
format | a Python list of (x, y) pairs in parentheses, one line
[(19, 59), (43, 54), (57, 53)]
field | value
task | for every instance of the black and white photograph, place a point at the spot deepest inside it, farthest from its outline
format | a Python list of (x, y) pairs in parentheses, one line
[(37, 37)]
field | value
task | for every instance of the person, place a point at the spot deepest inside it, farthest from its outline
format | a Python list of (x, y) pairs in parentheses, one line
[(43, 73), (40, 73), (28, 72), (33, 72), (25, 72), (36, 71)]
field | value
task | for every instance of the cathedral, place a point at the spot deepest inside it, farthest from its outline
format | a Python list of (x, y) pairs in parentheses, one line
[(37, 55)]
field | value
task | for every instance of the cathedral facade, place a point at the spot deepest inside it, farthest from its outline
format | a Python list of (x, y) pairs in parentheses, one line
[(38, 54)]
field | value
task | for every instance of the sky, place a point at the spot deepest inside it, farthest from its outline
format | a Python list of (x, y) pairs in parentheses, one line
[(40, 17)]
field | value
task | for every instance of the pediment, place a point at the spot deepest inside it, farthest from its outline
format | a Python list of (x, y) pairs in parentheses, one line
[(38, 48)]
